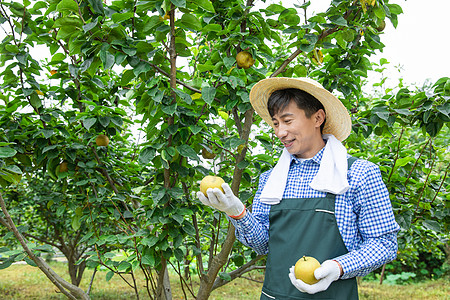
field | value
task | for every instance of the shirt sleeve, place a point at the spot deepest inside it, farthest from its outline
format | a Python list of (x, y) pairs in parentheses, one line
[(376, 225), (253, 229)]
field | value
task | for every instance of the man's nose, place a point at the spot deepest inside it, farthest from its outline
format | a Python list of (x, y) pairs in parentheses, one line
[(281, 131)]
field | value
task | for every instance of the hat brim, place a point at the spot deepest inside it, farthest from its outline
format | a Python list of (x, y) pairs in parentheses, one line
[(338, 121)]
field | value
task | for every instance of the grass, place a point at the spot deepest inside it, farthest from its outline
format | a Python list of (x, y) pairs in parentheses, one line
[(25, 282)]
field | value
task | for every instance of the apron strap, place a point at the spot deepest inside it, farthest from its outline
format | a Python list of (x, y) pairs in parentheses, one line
[(350, 161)]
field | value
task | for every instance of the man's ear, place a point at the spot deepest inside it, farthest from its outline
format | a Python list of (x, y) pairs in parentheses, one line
[(319, 117)]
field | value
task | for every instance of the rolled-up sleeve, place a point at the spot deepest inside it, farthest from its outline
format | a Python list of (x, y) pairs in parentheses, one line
[(253, 229), (376, 225)]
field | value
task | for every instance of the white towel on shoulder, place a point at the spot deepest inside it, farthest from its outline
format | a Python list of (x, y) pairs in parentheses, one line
[(274, 188), (332, 174), (331, 177)]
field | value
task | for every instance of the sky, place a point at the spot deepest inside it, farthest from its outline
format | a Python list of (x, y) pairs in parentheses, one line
[(419, 45)]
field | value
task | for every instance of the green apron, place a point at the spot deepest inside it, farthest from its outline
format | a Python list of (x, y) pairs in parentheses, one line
[(304, 226)]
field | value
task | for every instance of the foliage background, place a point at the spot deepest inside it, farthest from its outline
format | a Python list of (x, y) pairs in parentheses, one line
[(160, 79)]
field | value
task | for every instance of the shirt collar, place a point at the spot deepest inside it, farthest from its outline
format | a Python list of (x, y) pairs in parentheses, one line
[(316, 158)]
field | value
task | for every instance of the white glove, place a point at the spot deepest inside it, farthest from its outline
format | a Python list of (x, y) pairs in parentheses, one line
[(328, 272), (228, 202)]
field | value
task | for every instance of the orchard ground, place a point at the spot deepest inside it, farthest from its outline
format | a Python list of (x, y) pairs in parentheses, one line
[(21, 281)]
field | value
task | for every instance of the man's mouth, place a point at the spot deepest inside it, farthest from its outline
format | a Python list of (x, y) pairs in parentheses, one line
[(288, 143)]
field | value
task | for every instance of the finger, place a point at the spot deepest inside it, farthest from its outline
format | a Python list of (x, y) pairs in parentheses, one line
[(203, 199), (320, 273), (292, 278), (213, 197), (227, 189), (299, 285), (220, 197)]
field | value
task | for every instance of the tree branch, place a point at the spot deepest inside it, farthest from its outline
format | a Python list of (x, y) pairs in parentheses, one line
[(239, 272), (70, 290)]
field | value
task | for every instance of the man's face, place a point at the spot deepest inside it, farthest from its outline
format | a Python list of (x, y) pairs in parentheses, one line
[(300, 135)]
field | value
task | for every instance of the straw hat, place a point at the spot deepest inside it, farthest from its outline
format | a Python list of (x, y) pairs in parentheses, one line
[(338, 120)]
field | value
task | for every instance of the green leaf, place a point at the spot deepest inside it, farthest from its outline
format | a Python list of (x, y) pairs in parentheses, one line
[(179, 254), (191, 22), (142, 67), (158, 194), (146, 155), (104, 120), (47, 133), (187, 151), (150, 241), (432, 225), (30, 261), (243, 164), (289, 17), (119, 17), (185, 97), (206, 5), (395, 9), (189, 228), (70, 5), (179, 3), (6, 264), (338, 20), (225, 276), (444, 109), (107, 59), (127, 76), (208, 94), (169, 109), (148, 259), (13, 169), (109, 275), (274, 9), (7, 152), (90, 26), (195, 129), (35, 101), (118, 121), (97, 6), (205, 67), (44, 248), (212, 27), (12, 48), (87, 123), (379, 12), (76, 224), (58, 57)]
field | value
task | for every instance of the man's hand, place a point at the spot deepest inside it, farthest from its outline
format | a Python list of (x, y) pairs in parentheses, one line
[(328, 272), (226, 202)]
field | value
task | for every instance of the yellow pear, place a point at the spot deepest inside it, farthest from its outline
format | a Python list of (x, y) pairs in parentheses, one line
[(211, 182), (304, 269), (381, 26), (244, 60), (102, 140), (63, 167), (207, 155)]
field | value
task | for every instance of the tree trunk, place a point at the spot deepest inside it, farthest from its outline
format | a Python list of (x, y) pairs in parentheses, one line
[(207, 281), (76, 271)]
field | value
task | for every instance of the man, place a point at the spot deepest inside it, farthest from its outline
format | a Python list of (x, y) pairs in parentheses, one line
[(317, 201)]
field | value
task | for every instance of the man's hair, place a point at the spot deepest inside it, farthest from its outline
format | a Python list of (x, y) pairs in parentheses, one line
[(280, 99)]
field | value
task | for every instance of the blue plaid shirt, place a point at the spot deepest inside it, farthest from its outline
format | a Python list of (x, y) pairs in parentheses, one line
[(363, 214)]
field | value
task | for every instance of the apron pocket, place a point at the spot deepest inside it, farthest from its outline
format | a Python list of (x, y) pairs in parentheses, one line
[(325, 211), (267, 295)]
